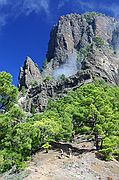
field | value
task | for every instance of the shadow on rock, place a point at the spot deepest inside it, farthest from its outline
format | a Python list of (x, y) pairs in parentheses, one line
[(65, 147)]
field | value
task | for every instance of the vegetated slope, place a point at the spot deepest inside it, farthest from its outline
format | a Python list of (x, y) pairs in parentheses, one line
[(91, 110)]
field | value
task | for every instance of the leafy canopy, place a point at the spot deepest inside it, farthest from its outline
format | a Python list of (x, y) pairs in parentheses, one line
[(92, 109), (8, 92)]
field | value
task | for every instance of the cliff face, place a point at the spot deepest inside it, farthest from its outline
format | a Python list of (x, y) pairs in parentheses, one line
[(81, 47), (29, 74), (74, 32)]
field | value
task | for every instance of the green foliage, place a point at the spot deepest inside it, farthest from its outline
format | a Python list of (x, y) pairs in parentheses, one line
[(90, 15), (45, 63), (46, 146), (16, 114), (116, 154), (23, 90), (92, 110), (34, 83), (62, 77), (86, 50), (99, 42), (8, 92), (107, 153), (33, 109), (78, 57), (47, 78)]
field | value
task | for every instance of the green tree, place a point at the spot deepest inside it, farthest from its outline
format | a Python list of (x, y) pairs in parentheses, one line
[(97, 115), (8, 92), (92, 110)]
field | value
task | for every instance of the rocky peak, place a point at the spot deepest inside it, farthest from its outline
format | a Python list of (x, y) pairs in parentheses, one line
[(74, 32), (29, 74), (82, 48)]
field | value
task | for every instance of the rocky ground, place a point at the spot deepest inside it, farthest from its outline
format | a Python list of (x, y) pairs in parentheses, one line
[(83, 165)]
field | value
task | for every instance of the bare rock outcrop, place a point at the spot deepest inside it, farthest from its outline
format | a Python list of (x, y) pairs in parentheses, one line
[(29, 74), (82, 47), (74, 32)]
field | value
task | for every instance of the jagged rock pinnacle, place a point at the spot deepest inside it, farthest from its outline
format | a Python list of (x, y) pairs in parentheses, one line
[(29, 74)]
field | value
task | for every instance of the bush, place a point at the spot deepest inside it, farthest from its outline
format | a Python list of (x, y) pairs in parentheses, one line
[(86, 50), (62, 77), (90, 15), (23, 90), (78, 57), (116, 152), (107, 153), (47, 78), (33, 109), (99, 42), (34, 83), (46, 146)]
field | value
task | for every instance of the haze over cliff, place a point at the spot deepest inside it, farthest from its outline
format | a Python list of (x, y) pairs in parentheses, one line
[(81, 48)]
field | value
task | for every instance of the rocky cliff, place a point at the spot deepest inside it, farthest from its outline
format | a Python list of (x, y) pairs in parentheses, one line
[(81, 47), (29, 74)]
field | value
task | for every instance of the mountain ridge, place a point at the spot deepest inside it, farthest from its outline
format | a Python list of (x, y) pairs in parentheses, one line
[(81, 48)]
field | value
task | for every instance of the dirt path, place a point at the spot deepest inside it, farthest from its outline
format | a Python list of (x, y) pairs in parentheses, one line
[(83, 166)]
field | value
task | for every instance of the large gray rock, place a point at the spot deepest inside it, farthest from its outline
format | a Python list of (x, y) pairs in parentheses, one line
[(29, 74), (38, 96), (83, 47), (74, 31)]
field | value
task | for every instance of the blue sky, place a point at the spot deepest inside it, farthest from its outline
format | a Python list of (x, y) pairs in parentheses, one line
[(25, 27)]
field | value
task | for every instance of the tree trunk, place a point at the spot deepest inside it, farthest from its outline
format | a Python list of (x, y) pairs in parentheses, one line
[(97, 141), (101, 144), (46, 150)]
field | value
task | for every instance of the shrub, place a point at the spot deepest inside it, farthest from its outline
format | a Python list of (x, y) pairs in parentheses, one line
[(45, 63), (99, 42), (34, 83), (86, 50), (46, 146), (62, 77), (47, 78), (89, 15), (78, 57), (23, 90), (107, 153)]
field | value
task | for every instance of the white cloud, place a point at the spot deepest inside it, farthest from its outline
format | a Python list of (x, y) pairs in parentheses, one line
[(18, 7), (2, 21), (36, 6), (91, 6), (114, 9), (77, 3), (62, 3), (3, 2), (45, 5)]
